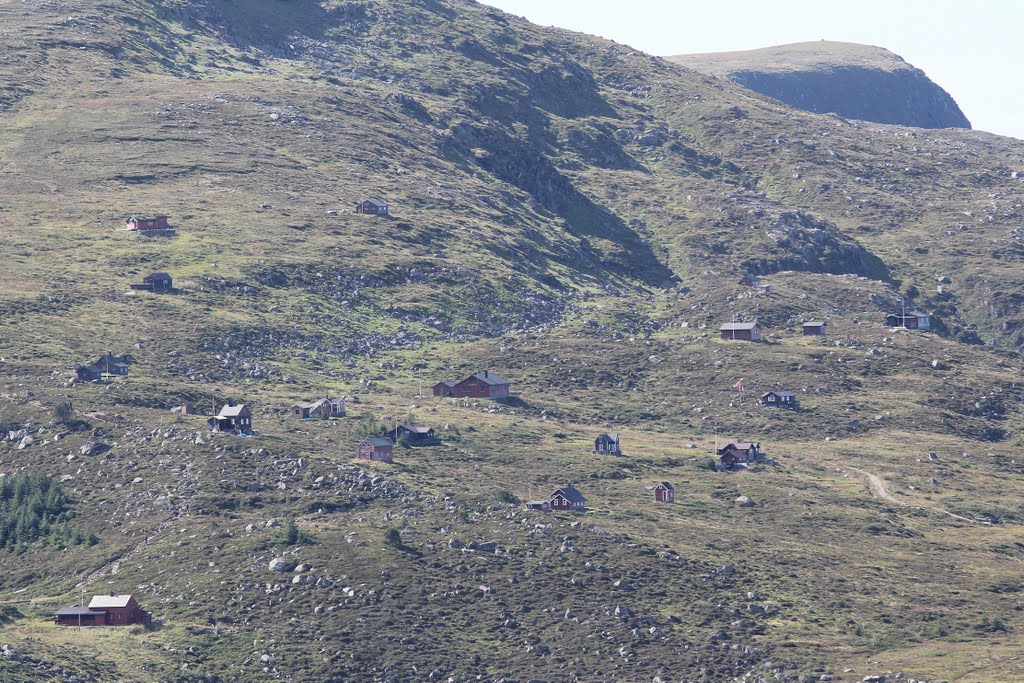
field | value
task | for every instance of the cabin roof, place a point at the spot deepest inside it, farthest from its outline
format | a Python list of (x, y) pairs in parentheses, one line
[(415, 427), (728, 327), (489, 377), (74, 611), (107, 601), (814, 323), (377, 442), (667, 485), (570, 494), (741, 445), (232, 411)]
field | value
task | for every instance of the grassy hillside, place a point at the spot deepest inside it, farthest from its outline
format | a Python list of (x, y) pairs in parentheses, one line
[(567, 212)]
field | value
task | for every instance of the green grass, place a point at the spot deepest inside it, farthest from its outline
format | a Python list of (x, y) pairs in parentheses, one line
[(489, 269)]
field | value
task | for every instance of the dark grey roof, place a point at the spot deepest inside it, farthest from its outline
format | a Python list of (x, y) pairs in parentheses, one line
[(570, 494), (232, 411), (415, 427), (728, 327), (779, 393), (75, 611), (489, 377), (667, 485), (377, 202), (814, 323)]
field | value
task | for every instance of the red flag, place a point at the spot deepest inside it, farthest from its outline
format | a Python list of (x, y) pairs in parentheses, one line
[(738, 385)]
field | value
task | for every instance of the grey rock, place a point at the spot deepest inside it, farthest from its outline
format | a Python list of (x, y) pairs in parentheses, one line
[(745, 502)]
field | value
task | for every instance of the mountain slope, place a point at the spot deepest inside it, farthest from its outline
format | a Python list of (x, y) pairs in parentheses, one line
[(567, 212), (855, 81)]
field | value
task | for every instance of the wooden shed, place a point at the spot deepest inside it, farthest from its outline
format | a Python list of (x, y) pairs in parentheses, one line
[(664, 492), (815, 328)]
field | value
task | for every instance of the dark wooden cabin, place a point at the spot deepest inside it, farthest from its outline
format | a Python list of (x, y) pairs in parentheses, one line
[(740, 331), (375, 207)]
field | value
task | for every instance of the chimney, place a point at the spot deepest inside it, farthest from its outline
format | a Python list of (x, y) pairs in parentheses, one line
[(487, 373)]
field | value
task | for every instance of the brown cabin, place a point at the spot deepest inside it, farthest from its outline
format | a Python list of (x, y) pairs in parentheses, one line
[(88, 373), (815, 328), (750, 281), (375, 207), (377, 448), (154, 223), (664, 492), (234, 419), (538, 505), (740, 331), (482, 385), (104, 610), (416, 434)]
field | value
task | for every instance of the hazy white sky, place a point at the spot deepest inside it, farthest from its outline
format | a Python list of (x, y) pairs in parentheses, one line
[(971, 49)]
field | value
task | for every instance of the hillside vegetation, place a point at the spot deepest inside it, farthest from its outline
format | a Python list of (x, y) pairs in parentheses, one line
[(567, 212)]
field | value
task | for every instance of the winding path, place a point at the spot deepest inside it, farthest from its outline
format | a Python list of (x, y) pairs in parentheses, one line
[(877, 488)]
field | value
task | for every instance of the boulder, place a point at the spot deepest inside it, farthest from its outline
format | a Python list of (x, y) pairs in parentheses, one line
[(280, 564), (95, 448), (745, 502)]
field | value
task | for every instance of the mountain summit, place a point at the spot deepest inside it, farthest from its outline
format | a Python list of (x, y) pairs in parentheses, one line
[(856, 81)]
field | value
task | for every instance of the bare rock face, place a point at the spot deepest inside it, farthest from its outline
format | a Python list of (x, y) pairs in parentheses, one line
[(853, 81)]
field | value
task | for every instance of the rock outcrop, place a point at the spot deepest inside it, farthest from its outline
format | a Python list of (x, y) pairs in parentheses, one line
[(854, 81)]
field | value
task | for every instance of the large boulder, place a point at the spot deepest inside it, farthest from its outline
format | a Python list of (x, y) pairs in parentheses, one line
[(281, 564)]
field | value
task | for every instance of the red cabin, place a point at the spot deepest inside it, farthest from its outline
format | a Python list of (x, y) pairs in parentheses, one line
[(104, 610), (568, 498), (664, 492), (738, 454), (380, 449), (482, 385)]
